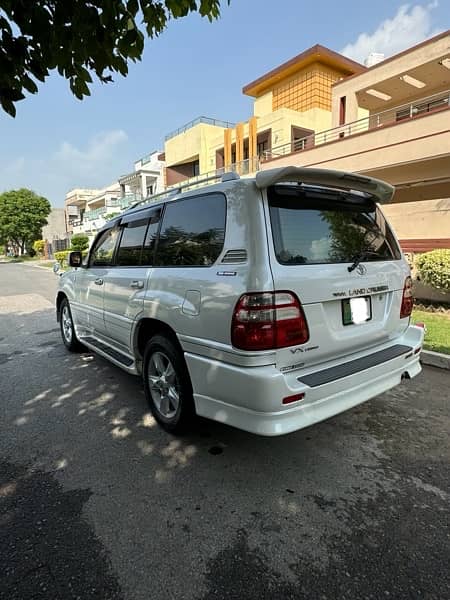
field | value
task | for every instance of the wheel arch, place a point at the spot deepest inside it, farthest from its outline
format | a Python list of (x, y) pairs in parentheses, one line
[(59, 298), (146, 329)]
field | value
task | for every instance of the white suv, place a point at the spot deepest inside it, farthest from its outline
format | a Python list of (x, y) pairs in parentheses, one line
[(268, 303)]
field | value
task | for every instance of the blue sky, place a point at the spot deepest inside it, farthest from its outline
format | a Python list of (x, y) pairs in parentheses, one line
[(194, 68)]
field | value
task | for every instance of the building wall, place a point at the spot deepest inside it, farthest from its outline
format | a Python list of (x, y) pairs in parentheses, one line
[(191, 145), (263, 104), (56, 225), (310, 88), (422, 220), (280, 123), (178, 173)]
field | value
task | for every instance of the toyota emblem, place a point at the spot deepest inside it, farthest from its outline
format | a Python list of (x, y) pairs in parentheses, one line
[(361, 269)]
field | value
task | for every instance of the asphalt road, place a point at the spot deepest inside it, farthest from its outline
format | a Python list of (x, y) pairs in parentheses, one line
[(98, 502)]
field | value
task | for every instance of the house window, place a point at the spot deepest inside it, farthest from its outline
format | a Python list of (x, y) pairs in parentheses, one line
[(149, 190), (196, 168), (262, 147), (342, 108)]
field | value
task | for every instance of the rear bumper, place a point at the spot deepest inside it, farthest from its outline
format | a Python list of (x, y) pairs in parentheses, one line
[(250, 398)]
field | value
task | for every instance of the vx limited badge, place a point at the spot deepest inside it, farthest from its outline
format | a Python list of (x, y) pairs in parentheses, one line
[(296, 350)]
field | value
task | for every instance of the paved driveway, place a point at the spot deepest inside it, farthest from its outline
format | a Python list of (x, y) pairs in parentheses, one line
[(98, 502)]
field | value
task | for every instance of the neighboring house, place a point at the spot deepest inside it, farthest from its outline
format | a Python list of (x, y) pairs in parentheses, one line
[(86, 210), (290, 102), (97, 207), (75, 206), (146, 180), (404, 138)]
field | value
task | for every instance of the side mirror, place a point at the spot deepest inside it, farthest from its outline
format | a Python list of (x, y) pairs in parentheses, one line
[(75, 259), (56, 267)]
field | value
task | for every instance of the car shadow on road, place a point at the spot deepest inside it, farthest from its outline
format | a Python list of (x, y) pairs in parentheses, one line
[(284, 511)]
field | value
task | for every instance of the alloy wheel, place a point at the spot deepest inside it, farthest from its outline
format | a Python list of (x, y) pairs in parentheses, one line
[(67, 324), (163, 384)]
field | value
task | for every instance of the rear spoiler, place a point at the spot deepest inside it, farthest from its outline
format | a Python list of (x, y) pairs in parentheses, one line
[(380, 191)]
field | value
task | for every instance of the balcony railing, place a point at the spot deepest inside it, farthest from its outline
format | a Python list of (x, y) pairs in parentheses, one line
[(128, 200), (206, 120), (90, 215), (397, 114)]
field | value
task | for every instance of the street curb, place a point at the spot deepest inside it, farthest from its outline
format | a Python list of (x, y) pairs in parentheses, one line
[(435, 359), (28, 264)]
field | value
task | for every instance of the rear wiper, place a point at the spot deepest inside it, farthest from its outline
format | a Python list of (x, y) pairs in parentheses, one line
[(360, 257)]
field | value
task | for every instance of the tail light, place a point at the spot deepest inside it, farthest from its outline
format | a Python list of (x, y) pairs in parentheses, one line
[(268, 320), (407, 299)]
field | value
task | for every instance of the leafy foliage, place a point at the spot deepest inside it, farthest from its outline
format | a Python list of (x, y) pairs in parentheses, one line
[(110, 216), (79, 242), (434, 268), (79, 38), (61, 256), (39, 246), (22, 216)]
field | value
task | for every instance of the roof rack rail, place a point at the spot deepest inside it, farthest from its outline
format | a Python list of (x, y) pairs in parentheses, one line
[(228, 176)]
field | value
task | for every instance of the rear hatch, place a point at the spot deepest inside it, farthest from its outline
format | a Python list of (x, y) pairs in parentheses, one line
[(334, 249)]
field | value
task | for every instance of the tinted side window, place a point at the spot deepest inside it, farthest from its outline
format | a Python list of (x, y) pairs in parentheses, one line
[(150, 239), (103, 252), (130, 248), (192, 231)]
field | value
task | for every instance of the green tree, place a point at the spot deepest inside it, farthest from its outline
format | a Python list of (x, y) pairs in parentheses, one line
[(79, 242), (22, 216), (80, 38)]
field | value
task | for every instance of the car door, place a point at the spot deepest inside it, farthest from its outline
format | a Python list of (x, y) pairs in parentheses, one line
[(125, 281), (90, 283)]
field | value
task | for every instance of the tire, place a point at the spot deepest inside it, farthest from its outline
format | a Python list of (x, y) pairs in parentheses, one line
[(167, 385), (69, 337)]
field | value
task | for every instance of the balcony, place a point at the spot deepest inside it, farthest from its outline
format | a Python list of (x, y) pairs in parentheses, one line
[(398, 114), (91, 215), (128, 200), (407, 146)]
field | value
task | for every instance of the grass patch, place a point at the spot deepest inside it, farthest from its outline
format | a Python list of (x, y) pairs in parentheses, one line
[(437, 337)]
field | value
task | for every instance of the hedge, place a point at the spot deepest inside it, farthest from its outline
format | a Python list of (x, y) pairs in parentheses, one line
[(434, 268), (62, 255)]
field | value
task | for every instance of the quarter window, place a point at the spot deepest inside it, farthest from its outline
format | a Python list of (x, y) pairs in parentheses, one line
[(150, 239), (192, 231), (103, 252), (131, 242)]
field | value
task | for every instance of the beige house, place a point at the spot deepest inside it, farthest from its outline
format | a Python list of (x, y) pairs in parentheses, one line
[(392, 121), (290, 102)]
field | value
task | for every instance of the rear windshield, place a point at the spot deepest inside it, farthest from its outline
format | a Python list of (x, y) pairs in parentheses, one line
[(316, 227)]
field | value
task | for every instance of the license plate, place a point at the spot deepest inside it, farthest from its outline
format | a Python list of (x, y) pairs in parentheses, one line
[(356, 310)]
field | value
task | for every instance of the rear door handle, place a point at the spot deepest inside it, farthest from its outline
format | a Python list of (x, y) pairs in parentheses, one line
[(98, 281), (138, 285)]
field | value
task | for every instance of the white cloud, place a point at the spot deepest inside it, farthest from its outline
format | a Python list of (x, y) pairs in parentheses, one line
[(100, 162), (100, 149), (411, 25)]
